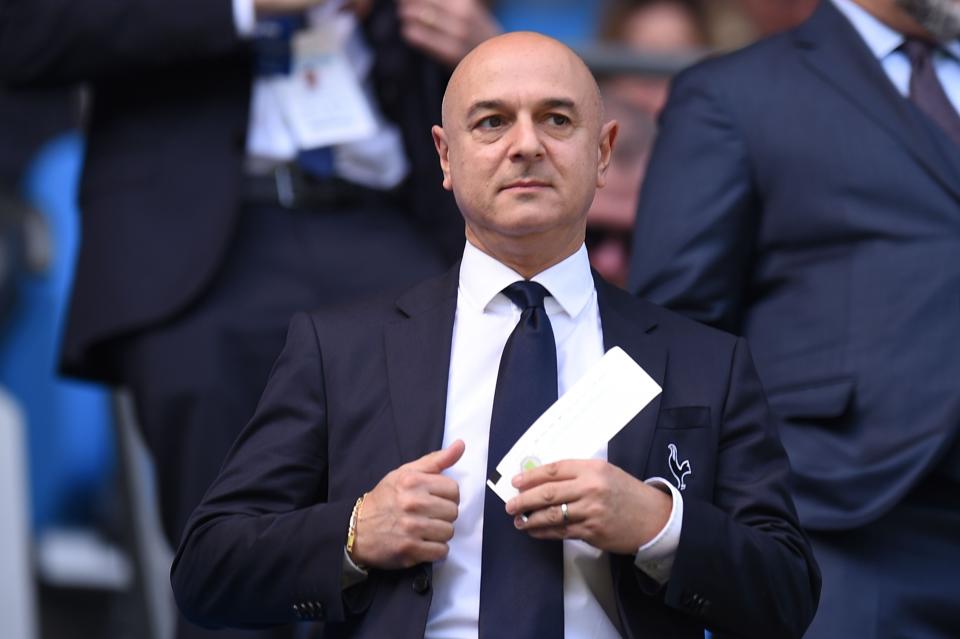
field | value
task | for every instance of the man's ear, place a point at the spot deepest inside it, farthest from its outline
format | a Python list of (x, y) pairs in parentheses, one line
[(443, 151), (608, 135)]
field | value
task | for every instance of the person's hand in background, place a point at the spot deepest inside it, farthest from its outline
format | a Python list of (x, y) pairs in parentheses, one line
[(446, 29)]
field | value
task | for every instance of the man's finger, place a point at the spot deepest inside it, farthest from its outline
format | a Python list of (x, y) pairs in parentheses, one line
[(549, 517), (543, 496), (439, 460), (557, 471), (430, 506), (437, 531), (442, 487), (430, 551)]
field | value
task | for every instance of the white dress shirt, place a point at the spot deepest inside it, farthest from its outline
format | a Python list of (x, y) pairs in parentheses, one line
[(484, 320), (884, 43)]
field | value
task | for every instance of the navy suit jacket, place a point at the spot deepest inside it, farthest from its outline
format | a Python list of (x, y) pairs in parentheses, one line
[(358, 392), (170, 88), (796, 198)]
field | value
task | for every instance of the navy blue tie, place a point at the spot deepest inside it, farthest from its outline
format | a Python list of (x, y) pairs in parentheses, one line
[(521, 582)]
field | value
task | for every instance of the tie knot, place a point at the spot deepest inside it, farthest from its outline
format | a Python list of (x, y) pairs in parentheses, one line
[(919, 51), (526, 294)]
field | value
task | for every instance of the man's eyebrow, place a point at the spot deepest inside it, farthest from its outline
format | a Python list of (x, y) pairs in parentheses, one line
[(496, 105), (559, 103), (484, 105)]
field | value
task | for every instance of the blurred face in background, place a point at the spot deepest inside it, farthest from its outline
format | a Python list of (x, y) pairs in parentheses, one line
[(660, 27), (774, 16)]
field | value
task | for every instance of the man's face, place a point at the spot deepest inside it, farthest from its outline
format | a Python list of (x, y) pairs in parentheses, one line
[(522, 147), (940, 17)]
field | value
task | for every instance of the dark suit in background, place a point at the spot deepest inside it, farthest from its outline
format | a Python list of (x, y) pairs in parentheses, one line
[(183, 290), (796, 198), (360, 391)]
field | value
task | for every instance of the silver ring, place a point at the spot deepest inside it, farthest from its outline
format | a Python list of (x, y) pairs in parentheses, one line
[(566, 514)]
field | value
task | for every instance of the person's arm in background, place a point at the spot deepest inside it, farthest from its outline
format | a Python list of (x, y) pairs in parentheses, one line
[(697, 217), (446, 30), (62, 41)]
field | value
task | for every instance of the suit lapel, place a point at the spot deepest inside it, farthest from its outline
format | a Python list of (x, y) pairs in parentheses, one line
[(626, 324), (831, 47), (418, 361)]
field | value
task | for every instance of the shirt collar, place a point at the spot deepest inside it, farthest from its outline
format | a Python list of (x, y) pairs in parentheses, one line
[(570, 282), (881, 39)]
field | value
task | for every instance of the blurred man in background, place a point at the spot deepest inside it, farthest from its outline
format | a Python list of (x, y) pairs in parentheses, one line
[(805, 193), (246, 159)]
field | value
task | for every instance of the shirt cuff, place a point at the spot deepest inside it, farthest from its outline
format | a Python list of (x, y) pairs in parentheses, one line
[(352, 574), (655, 558), (244, 18)]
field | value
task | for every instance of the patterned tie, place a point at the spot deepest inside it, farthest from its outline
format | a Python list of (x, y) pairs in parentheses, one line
[(521, 583), (926, 91)]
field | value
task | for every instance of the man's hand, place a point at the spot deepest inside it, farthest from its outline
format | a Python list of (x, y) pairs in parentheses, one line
[(408, 517), (606, 507), (446, 29)]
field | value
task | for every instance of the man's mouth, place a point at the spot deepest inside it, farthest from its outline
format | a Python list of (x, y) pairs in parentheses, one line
[(526, 184)]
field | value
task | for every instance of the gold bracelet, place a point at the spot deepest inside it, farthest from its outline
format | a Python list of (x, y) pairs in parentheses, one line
[(352, 529)]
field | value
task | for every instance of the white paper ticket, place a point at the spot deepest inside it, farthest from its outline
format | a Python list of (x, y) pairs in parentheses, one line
[(584, 420)]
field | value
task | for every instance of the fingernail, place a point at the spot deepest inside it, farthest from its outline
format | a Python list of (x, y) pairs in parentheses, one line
[(517, 479), (518, 522)]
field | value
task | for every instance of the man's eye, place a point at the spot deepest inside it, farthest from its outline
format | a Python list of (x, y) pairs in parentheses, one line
[(557, 119), (490, 122)]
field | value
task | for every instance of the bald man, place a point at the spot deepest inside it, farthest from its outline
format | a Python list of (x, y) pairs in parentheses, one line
[(356, 496)]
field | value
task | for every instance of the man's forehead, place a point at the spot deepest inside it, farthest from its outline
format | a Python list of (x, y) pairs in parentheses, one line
[(521, 66)]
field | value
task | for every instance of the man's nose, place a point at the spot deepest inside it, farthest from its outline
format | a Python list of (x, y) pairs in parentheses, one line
[(526, 143)]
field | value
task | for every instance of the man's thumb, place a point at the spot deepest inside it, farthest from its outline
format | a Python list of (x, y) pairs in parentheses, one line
[(439, 460)]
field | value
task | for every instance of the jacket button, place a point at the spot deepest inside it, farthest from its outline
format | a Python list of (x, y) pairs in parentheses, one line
[(421, 583), (297, 611), (321, 613)]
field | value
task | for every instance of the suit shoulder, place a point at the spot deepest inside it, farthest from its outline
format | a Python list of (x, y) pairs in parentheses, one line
[(684, 332), (374, 311), (676, 328), (746, 65), (368, 310)]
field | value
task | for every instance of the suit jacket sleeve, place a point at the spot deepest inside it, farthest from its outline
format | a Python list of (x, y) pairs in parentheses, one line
[(265, 537), (63, 41), (697, 215), (743, 564)]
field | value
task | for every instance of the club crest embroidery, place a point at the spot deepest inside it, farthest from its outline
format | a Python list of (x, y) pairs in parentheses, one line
[(679, 469)]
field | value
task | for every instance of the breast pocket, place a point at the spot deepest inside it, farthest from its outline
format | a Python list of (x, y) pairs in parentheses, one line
[(684, 449)]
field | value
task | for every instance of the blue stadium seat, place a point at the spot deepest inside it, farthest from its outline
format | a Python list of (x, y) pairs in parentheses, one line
[(70, 433)]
